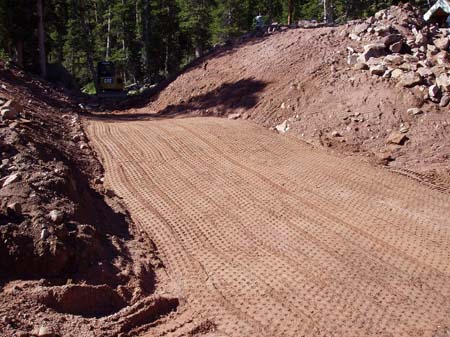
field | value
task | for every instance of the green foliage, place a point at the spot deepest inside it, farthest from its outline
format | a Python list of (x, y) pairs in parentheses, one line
[(147, 39), (89, 89)]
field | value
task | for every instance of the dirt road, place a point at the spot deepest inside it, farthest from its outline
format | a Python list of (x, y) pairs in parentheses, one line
[(266, 236)]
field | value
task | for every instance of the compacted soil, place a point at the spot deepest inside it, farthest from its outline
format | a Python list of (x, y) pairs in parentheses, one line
[(271, 222), (300, 77), (265, 235)]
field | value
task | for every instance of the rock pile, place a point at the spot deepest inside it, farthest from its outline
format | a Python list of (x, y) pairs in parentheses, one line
[(396, 43)]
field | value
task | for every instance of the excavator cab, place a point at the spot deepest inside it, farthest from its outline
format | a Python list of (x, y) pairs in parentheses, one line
[(108, 77)]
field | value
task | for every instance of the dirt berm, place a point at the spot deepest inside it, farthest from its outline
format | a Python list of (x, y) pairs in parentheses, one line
[(71, 261)]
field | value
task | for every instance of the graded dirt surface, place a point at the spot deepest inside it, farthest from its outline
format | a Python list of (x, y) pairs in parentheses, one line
[(265, 235), (301, 76)]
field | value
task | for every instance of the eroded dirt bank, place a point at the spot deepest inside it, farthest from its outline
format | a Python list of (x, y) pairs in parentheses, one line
[(71, 261)]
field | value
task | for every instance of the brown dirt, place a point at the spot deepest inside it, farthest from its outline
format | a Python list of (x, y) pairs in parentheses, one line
[(258, 234), (302, 76), (265, 235), (92, 273)]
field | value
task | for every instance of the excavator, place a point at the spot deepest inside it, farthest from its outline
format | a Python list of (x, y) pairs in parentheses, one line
[(110, 83)]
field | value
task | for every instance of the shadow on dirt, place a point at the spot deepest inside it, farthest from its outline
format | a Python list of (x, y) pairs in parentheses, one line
[(227, 98), (141, 101), (35, 87)]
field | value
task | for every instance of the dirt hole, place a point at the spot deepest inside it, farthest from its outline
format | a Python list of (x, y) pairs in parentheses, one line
[(84, 300)]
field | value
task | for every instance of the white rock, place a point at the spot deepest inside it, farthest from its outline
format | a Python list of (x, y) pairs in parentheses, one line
[(283, 127), (414, 111), (352, 59), (56, 216), (442, 43), (421, 39), (434, 92), (404, 128), (234, 116), (425, 72), (11, 179), (45, 332), (394, 59), (378, 69), (443, 81), (44, 234)]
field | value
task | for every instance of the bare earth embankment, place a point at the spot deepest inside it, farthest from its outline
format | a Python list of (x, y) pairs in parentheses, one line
[(284, 218)]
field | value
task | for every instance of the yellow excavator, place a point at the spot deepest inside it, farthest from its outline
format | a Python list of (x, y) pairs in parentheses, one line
[(109, 79)]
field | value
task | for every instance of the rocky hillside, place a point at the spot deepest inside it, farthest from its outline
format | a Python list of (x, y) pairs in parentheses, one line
[(376, 88)]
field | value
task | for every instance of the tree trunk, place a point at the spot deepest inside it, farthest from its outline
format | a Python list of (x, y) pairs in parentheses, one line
[(290, 11), (328, 11), (18, 55), (81, 13), (146, 36), (41, 39), (108, 35)]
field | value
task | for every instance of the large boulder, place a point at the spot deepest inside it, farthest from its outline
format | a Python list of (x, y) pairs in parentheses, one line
[(442, 43), (379, 69), (434, 92), (395, 59), (438, 70), (441, 58), (396, 47), (372, 50), (13, 105), (397, 73), (391, 39), (445, 100), (425, 72), (6, 113), (443, 81), (421, 39), (397, 138), (361, 28), (360, 66), (410, 79)]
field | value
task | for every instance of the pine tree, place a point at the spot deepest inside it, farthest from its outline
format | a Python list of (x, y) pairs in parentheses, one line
[(196, 18), (41, 39)]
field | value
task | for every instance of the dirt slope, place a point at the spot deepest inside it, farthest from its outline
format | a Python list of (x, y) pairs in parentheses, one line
[(71, 261), (302, 76), (267, 236)]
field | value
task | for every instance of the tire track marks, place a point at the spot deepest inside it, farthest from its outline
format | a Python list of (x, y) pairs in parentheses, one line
[(267, 236)]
